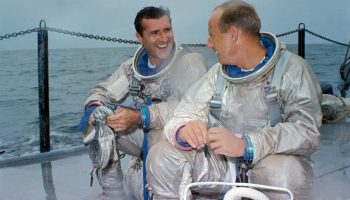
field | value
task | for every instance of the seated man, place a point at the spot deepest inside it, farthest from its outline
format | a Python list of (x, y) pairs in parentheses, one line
[(129, 110), (260, 105)]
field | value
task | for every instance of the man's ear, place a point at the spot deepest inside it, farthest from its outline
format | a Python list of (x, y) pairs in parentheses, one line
[(139, 38), (234, 33)]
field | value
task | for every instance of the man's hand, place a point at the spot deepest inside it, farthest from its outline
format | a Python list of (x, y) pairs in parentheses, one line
[(123, 119), (195, 134), (223, 142)]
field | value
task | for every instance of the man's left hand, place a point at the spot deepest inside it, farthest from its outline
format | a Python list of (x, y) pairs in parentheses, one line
[(223, 142), (123, 119)]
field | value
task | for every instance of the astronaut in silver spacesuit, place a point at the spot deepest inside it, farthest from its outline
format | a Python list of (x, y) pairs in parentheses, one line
[(260, 105), (139, 97)]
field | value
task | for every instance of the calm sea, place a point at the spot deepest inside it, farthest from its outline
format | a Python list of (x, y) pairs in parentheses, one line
[(73, 72)]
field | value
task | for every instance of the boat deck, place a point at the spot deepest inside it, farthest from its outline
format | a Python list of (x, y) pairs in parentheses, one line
[(68, 177)]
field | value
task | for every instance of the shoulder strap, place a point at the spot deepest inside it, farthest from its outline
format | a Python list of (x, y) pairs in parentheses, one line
[(273, 97), (220, 83), (279, 69), (216, 101)]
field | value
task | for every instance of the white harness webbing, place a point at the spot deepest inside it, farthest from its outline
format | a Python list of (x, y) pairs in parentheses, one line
[(273, 98)]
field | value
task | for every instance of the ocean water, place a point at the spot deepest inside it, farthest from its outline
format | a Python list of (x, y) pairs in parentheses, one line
[(72, 73)]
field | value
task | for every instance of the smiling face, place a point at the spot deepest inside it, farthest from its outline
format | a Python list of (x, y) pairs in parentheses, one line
[(157, 38)]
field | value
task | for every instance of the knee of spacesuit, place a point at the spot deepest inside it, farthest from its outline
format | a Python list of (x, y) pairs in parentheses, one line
[(166, 166), (290, 172), (130, 142)]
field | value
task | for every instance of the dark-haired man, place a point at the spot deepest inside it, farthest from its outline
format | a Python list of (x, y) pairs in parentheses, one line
[(139, 97)]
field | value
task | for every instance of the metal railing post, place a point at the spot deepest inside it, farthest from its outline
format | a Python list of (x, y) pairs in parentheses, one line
[(43, 83), (301, 40)]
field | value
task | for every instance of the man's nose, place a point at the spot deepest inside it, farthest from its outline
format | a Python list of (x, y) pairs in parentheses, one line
[(162, 36)]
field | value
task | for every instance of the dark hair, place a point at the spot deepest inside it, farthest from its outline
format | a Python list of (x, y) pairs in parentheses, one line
[(241, 14), (150, 12)]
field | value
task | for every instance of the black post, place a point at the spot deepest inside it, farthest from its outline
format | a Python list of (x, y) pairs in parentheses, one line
[(301, 40), (43, 81)]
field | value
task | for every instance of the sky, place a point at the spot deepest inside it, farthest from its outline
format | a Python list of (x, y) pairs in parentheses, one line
[(114, 18)]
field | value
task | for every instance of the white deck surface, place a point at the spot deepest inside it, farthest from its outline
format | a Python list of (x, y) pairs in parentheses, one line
[(70, 180), (69, 176)]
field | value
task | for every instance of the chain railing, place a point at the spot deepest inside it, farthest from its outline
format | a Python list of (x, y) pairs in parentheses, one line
[(11, 35), (324, 38), (91, 36), (287, 33), (44, 124), (118, 40)]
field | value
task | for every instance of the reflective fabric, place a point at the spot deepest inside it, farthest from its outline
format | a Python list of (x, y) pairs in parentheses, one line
[(168, 86), (244, 113)]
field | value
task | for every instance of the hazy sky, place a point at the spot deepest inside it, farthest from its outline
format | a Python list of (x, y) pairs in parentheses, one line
[(115, 18)]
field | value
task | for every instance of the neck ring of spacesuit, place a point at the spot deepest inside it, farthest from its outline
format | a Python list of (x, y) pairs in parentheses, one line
[(139, 58), (264, 70)]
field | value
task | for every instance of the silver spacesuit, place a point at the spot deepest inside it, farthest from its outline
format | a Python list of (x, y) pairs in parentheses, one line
[(160, 93), (280, 153)]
